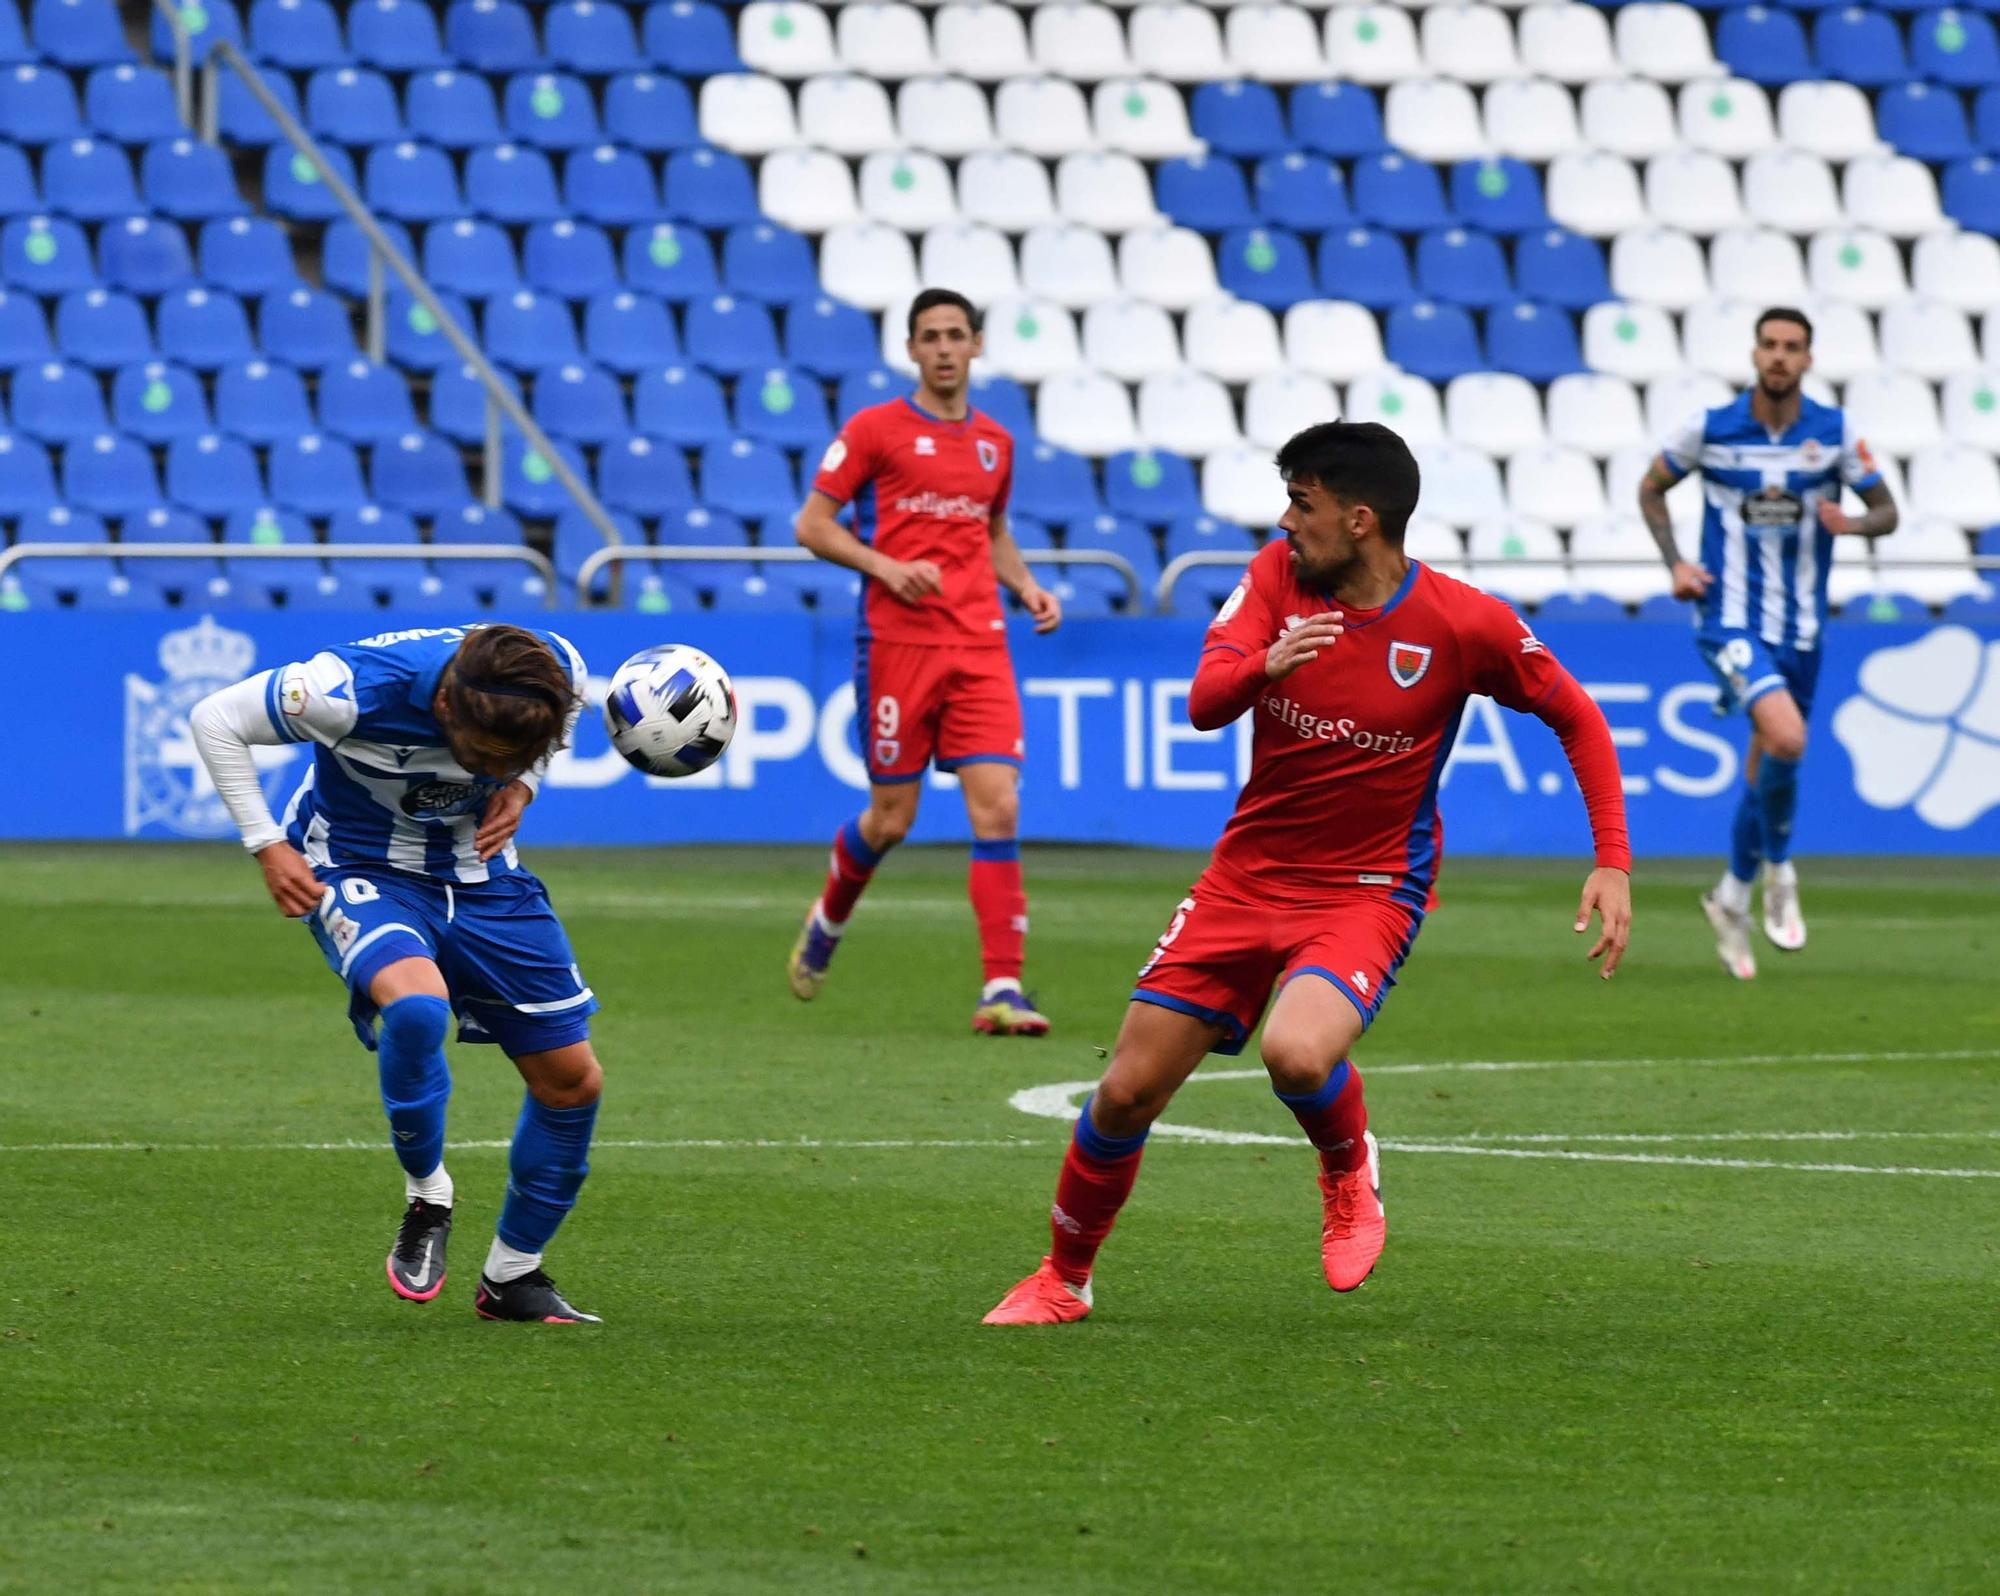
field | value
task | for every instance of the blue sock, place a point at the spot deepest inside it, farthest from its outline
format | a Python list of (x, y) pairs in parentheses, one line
[(1777, 801), (1101, 1148), (550, 1157), (1746, 839), (416, 1084)]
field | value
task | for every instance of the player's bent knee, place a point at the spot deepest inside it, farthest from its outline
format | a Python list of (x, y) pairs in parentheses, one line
[(1789, 744), (1124, 1105), (415, 1026), (1297, 1064), (569, 1077)]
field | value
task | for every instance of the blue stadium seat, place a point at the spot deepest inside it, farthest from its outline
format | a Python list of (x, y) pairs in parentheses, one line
[(208, 23), (629, 333), (144, 256), (13, 39), (645, 477), (469, 257), (188, 180), (525, 330), (301, 585), (1432, 341), (306, 328), (102, 329), (1923, 120), (475, 523), (580, 402), (38, 106), (246, 255), (576, 538), (293, 187), (343, 261), (1955, 47), (1343, 120), (491, 35), (783, 407), (550, 109), (57, 401), (1000, 399), (243, 120), (650, 112), (298, 35), (213, 475), (1971, 194), (830, 339), (89, 179), (710, 188), (865, 388), (1090, 591), (1986, 120), (454, 109), (415, 338), (1763, 45), (1502, 195), (27, 485), (1206, 533), (655, 593), (701, 527), (1200, 592), (1264, 264), (730, 335), (751, 480), (752, 590), (395, 35), (528, 483), (1151, 487), (677, 263), (45, 254), (24, 331), (437, 592), (80, 33), (512, 183), (769, 263), (680, 403), (1463, 266), (110, 475), (1029, 533), (1396, 192), (375, 523), (458, 403), (422, 473), (1567, 607), (158, 523), (353, 105), (1206, 193), (157, 401), (268, 527), (611, 186), (133, 105), (1366, 265), (1114, 534), (1239, 118), (593, 37), (261, 400), (1532, 341), (412, 182), (1052, 484), (363, 402), (18, 193), (827, 589), (1304, 192), (1561, 268), (316, 474), (1861, 46), (692, 39), (571, 260)]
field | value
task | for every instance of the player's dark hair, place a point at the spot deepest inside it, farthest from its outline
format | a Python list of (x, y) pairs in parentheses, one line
[(1785, 313), (507, 698), (1362, 462), (931, 298)]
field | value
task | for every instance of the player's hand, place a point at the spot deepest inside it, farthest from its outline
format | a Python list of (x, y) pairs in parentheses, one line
[(1302, 644), (290, 880), (502, 819), (1690, 580), (911, 580), (1835, 519), (1609, 892), (1043, 607)]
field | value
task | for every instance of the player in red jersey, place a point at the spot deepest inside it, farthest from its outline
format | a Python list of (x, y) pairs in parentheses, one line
[(1357, 663), (929, 478)]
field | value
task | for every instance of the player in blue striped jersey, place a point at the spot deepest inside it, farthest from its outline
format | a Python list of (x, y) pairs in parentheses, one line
[(398, 852), (1772, 463)]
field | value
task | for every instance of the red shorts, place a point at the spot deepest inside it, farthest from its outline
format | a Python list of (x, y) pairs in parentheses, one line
[(1221, 955), (915, 704)]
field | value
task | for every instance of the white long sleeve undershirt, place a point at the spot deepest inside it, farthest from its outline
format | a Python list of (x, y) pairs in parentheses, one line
[(226, 726)]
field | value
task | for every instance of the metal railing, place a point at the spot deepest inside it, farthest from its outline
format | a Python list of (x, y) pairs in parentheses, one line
[(21, 552)]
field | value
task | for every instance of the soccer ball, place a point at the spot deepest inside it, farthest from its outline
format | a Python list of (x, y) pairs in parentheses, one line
[(670, 710)]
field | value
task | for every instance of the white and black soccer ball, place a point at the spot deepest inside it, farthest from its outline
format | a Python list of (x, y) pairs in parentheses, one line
[(670, 710)]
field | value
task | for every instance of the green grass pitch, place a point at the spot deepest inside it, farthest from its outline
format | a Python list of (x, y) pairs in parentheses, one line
[(1625, 1337)]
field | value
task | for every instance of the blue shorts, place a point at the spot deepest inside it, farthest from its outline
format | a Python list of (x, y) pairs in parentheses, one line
[(1747, 667), (504, 955)]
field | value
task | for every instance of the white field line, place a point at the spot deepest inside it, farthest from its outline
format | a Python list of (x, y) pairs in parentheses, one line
[(1688, 1161), (679, 1143)]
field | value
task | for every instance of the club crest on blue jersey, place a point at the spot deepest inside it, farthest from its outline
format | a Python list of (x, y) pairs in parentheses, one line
[(988, 452), (443, 800), (1408, 662)]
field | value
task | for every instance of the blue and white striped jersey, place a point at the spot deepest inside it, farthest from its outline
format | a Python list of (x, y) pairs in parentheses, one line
[(1760, 535), (383, 787)]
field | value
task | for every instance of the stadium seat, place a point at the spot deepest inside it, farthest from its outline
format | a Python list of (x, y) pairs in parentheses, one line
[(411, 182), (79, 33), (1830, 120), (24, 331), (316, 474), (913, 191), (395, 35), (1433, 341), (28, 486), (246, 255), (1469, 43), (1001, 189), (415, 337), (710, 188), (1660, 266), (1958, 268), (293, 187), (364, 403), (422, 474), (110, 475), (629, 332), (458, 402), (689, 38), (157, 523), (1861, 46), (590, 37), (682, 404), (1086, 412), (1893, 194), (1305, 192), (1273, 44), (39, 106), (102, 329), (306, 328), (1232, 340), (1955, 47), (1236, 118), (495, 36), (56, 402), (1333, 339), (569, 260), (1372, 44), (214, 475), (645, 111), (1503, 196), (551, 111), (472, 258), (1151, 487), (1434, 120), (261, 401), (1532, 119), (1367, 266), (1763, 45), (1395, 192), (512, 184), (579, 402), (299, 35), (525, 331), (1462, 266), (1516, 557), (157, 400), (1029, 339), (1596, 413), (89, 179), (1187, 413), (1130, 339), (454, 110), (1630, 117), (353, 106), (344, 252), (610, 186), (1337, 119), (144, 256), (1925, 121), (1494, 412), (1896, 411)]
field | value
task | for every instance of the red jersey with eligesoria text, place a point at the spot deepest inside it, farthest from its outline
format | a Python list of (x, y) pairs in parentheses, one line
[(925, 489), (1348, 750)]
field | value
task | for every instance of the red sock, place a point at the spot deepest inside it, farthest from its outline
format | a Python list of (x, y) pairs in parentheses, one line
[(854, 864), (1097, 1176), (1334, 1118), (1000, 905)]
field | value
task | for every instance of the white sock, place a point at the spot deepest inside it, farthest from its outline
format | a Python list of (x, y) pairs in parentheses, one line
[(1732, 894), (999, 984), (504, 1263), (829, 928), (433, 1188), (1785, 875)]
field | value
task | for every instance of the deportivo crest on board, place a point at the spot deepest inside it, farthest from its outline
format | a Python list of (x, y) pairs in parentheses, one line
[(1408, 662)]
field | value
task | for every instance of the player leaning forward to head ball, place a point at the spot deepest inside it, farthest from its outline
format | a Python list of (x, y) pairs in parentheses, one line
[(1356, 663), (398, 851), (934, 684)]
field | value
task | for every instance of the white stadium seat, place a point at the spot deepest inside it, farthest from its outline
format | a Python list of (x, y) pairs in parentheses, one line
[(1238, 484), (977, 261), (1560, 486), (1470, 43), (1636, 342), (1843, 345), (1693, 190), (1178, 41), (1928, 337), (1893, 194), (1659, 266), (808, 191), (1596, 413), (1281, 403), (868, 264), (1927, 559), (1142, 117), (1989, 338), (1596, 195), (983, 40), (884, 41), (1971, 410), (1957, 482), (1131, 339), (1274, 44), (1437, 545), (1831, 120), (947, 116), (1726, 116), (1962, 269), (847, 114), (1232, 340), (1071, 265), (1857, 265), (1108, 191), (1620, 536), (1853, 573), (1171, 266), (786, 38), (1332, 338), (1186, 413), (1397, 399), (1531, 119), (1896, 411), (1434, 119), (1671, 399), (1030, 340), (1665, 42), (1042, 115), (1080, 42), (1570, 43), (1629, 116), (747, 113), (1460, 485), (907, 190), (1087, 412), (1757, 263), (1007, 190), (1717, 336), (1791, 191), (1517, 558), (1493, 411), (1371, 44)]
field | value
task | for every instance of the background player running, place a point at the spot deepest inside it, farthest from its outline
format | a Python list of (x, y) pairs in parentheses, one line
[(399, 846), (929, 477), (1356, 662), (1772, 463)]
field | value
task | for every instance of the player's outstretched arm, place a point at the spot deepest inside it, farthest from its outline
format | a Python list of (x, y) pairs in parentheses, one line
[(225, 726), (1608, 893), (817, 529)]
